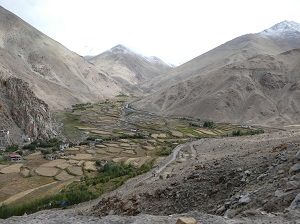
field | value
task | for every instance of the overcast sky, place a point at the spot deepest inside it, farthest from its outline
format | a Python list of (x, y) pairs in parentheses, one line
[(176, 31)]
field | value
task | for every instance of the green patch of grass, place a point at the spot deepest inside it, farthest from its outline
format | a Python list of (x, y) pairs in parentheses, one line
[(188, 130), (164, 151), (55, 201), (240, 132), (82, 106), (70, 122)]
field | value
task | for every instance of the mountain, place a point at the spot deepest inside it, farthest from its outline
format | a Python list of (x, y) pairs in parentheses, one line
[(130, 69), (251, 79), (43, 74), (283, 30), (235, 50), (56, 75)]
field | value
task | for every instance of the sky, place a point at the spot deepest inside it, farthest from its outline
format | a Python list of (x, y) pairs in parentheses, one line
[(173, 30)]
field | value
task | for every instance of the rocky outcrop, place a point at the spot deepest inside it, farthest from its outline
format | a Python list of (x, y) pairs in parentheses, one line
[(30, 114)]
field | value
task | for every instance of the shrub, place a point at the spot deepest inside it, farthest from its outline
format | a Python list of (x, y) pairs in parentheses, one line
[(51, 143), (165, 151), (30, 147), (194, 124), (116, 169), (91, 138), (208, 124), (12, 148), (248, 132), (236, 133)]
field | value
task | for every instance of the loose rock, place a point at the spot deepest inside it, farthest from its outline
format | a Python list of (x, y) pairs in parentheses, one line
[(295, 169), (186, 220)]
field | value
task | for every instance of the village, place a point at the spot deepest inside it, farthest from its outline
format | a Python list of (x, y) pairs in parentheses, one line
[(95, 134)]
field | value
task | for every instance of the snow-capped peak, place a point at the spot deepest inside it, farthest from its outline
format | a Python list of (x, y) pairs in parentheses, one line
[(156, 60), (285, 28), (120, 49)]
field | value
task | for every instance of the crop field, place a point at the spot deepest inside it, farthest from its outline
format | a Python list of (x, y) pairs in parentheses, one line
[(104, 131)]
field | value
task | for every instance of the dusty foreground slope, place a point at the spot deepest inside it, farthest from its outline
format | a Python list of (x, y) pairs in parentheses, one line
[(251, 179), (55, 74), (251, 79)]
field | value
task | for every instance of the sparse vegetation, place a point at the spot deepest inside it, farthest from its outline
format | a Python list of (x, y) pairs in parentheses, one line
[(82, 106), (192, 124), (52, 143), (121, 95), (12, 148), (55, 201), (239, 132), (209, 124), (165, 151)]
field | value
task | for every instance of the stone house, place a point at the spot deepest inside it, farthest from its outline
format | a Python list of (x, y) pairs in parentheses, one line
[(51, 156), (63, 146), (15, 157)]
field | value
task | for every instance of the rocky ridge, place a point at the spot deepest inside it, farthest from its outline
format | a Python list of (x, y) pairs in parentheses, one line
[(24, 111)]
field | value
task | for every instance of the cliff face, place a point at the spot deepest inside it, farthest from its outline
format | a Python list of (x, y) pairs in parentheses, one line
[(29, 113)]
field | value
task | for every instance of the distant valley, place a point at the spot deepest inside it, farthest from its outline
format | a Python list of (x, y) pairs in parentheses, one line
[(120, 137)]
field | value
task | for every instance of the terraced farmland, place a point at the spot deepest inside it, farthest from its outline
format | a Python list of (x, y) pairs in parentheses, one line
[(105, 131)]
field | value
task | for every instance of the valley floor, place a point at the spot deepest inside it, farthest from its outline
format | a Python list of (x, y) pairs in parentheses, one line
[(249, 179)]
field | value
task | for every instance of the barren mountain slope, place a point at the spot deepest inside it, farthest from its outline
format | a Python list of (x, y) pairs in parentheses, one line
[(262, 88), (130, 69), (281, 37), (55, 74)]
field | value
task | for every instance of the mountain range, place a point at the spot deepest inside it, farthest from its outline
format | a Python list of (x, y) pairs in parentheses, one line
[(251, 79)]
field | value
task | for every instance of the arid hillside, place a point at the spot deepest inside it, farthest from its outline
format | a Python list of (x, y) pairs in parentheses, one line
[(55, 74), (39, 75), (251, 79)]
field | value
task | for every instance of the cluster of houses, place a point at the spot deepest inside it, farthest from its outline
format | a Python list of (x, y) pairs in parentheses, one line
[(57, 155), (16, 157)]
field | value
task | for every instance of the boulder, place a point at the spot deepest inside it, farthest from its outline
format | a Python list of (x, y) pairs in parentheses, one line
[(244, 199), (186, 220), (90, 166), (295, 169), (25, 172), (292, 185), (298, 155), (295, 203)]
